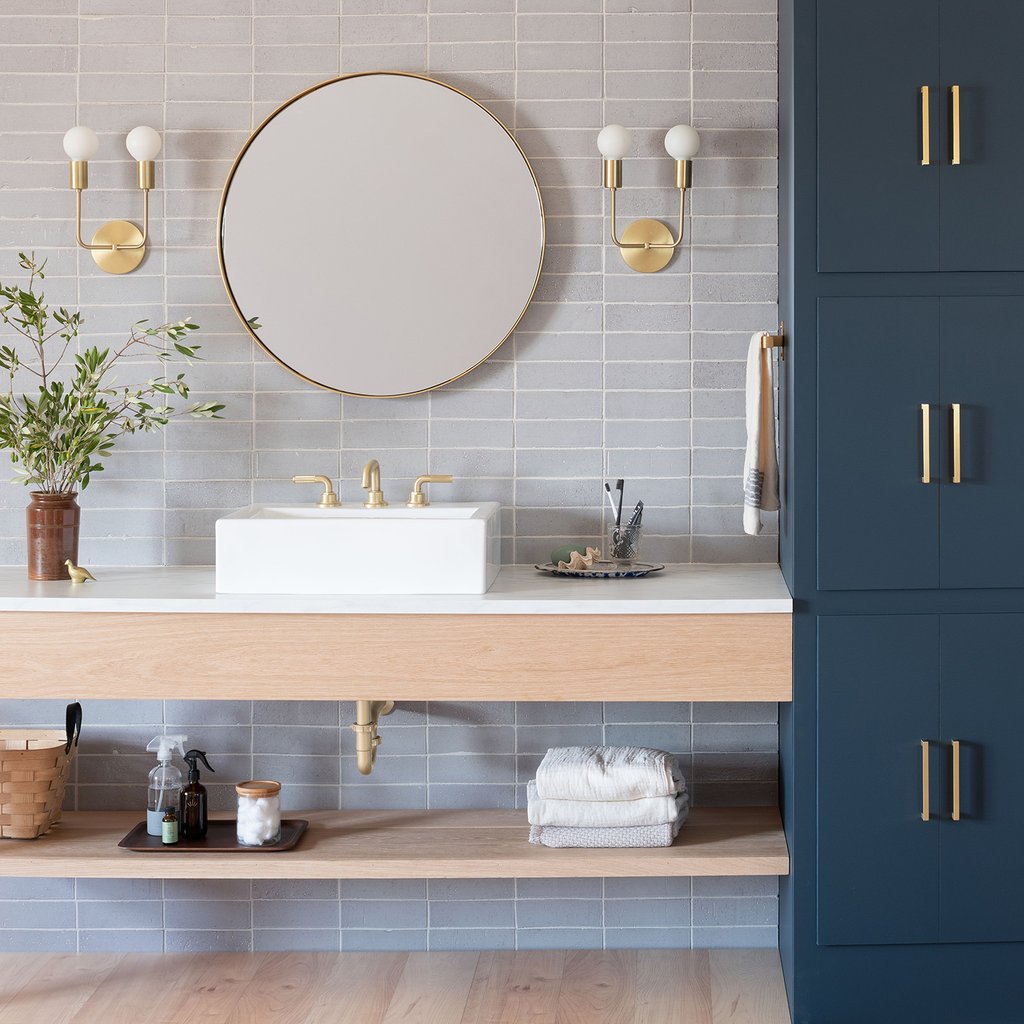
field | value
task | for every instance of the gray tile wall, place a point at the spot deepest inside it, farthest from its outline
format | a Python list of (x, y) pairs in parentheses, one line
[(612, 373), (434, 755)]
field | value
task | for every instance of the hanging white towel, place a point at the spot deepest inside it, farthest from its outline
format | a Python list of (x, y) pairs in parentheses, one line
[(608, 773), (601, 813), (760, 464)]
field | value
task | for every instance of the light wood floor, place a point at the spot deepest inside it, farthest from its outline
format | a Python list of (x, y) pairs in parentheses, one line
[(575, 987)]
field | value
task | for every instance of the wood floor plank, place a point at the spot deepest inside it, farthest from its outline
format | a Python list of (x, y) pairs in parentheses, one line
[(284, 990), (131, 990), (55, 989), (359, 989), (434, 988), (747, 987), (16, 969), (516, 988), (673, 985), (208, 990), (598, 987)]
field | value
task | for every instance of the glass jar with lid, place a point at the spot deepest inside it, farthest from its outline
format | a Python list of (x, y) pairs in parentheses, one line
[(259, 812)]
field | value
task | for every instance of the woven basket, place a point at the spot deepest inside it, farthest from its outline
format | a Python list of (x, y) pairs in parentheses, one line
[(34, 765)]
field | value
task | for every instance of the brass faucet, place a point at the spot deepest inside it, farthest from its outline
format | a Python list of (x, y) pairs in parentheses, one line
[(418, 499), (328, 499), (371, 484)]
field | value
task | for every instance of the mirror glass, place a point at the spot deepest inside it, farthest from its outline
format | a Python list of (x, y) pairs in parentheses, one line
[(384, 230)]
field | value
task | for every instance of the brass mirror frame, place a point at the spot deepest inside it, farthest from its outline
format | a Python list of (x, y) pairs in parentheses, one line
[(227, 187)]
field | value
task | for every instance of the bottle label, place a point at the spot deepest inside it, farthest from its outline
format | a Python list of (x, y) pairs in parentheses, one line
[(169, 832), (154, 822)]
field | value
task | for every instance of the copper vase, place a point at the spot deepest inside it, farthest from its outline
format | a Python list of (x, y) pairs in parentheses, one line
[(52, 521)]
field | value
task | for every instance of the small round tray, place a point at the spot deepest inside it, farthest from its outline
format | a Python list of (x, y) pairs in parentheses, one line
[(603, 570)]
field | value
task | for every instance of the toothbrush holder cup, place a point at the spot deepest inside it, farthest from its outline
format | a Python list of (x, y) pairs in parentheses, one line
[(624, 543)]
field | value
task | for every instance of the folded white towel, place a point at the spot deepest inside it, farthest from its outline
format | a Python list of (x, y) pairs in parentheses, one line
[(632, 837), (760, 463), (655, 810), (608, 773)]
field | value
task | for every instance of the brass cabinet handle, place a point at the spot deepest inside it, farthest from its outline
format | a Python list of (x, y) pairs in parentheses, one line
[(926, 147), (926, 443), (954, 91), (956, 780), (925, 808), (956, 442)]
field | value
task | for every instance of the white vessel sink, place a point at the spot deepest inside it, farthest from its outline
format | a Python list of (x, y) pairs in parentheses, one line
[(445, 548)]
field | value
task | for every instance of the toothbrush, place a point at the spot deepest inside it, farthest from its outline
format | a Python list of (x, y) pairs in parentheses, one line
[(619, 484), (611, 500)]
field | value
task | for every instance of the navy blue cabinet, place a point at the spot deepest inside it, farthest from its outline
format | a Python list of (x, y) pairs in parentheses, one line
[(902, 288), (913, 181), (920, 432), (920, 779)]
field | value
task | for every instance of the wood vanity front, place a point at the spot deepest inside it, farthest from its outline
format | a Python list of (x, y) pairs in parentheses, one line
[(702, 633)]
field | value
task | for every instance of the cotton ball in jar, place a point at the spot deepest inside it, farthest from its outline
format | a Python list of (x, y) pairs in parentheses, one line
[(259, 813)]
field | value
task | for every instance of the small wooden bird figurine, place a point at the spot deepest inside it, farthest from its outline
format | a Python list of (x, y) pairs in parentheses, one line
[(77, 573)]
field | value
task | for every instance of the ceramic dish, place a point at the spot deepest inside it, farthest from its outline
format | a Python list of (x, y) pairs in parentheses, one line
[(603, 570)]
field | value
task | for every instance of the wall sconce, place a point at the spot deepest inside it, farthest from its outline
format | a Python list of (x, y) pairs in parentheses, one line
[(647, 245), (118, 247)]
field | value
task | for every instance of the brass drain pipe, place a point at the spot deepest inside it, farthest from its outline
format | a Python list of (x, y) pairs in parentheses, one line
[(368, 714)]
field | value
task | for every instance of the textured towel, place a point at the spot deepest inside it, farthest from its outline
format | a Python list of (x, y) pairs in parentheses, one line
[(760, 463), (656, 810), (608, 773), (634, 837)]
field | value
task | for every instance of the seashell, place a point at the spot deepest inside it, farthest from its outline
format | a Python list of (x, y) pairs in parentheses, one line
[(580, 561)]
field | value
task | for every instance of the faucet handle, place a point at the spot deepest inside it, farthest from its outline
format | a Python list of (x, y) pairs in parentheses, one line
[(328, 499), (418, 499)]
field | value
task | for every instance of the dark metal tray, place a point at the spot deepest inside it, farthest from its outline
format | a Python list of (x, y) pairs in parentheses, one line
[(219, 838)]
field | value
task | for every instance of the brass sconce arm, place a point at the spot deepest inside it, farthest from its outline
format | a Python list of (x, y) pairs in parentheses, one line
[(674, 244), (114, 246)]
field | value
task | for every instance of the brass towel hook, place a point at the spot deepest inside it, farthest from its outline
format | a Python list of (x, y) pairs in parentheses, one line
[(769, 341)]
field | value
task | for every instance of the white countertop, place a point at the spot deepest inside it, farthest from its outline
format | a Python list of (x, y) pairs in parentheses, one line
[(518, 590)]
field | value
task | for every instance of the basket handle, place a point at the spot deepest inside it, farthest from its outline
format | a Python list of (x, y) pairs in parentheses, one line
[(73, 725)]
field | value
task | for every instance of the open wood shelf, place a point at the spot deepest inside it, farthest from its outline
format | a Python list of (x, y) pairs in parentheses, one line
[(408, 844), (622, 986)]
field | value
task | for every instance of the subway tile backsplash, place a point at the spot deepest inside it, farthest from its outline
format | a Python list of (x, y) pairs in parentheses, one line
[(610, 374), (435, 755)]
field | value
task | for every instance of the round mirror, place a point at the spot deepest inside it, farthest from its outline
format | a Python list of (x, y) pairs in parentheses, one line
[(381, 234)]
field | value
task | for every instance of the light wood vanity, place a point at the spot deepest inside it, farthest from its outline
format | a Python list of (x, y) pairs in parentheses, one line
[(692, 633)]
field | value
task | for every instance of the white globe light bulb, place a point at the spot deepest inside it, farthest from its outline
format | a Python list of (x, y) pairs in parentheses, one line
[(682, 142), (614, 142), (143, 143), (80, 143)]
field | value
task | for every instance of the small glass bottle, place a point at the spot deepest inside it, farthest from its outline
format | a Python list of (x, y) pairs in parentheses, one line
[(259, 813), (169, 828)]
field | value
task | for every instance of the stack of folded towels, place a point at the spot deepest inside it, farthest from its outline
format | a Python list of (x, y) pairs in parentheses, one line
[(607, 796)]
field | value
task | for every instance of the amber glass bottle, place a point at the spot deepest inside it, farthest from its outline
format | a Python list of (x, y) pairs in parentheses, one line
[(194, 820)]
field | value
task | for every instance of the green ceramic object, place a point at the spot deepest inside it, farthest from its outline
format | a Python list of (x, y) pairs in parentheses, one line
[(564, 553)]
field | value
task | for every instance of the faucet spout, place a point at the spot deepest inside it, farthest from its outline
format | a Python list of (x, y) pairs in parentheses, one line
[(371, 484)]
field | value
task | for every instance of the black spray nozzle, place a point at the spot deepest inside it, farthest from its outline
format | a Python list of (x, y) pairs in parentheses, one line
[(193, 771)]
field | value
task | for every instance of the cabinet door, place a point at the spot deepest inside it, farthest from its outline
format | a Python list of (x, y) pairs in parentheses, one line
[(981, 200), (877, 699), (982, 367), (878, 523), (878, 207), (982, 705)]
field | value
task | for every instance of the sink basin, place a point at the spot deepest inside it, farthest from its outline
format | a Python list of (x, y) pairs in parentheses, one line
[(445, 548)]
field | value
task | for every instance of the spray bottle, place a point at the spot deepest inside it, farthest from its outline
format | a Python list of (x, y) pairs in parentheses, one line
[(164, 781), (193, 816)]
